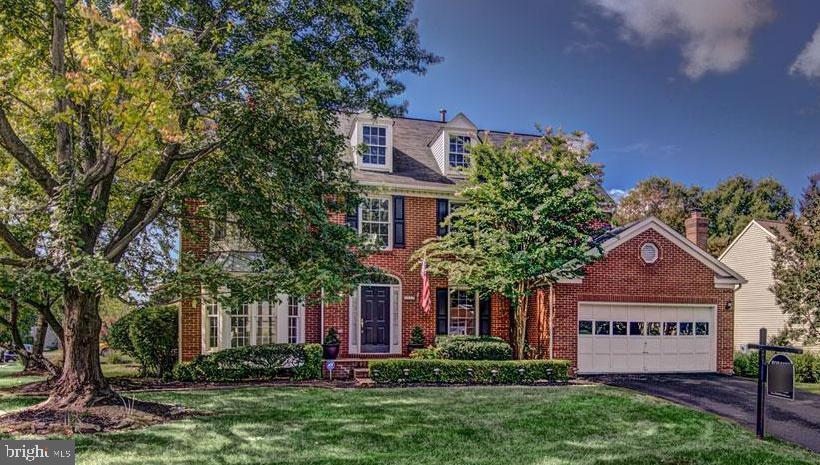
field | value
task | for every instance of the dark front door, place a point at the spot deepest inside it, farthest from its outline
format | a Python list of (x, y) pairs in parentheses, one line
[(375, 319)]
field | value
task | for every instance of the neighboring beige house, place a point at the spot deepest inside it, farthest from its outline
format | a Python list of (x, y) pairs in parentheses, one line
[(751, 255)]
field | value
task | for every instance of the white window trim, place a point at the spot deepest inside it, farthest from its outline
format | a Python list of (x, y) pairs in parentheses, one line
[(358, 140), (477, 309), (454, 170), (387, 147), (224, 324), (389, 245)]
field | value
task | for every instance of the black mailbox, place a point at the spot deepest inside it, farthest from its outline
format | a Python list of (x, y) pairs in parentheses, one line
[(781, 377)]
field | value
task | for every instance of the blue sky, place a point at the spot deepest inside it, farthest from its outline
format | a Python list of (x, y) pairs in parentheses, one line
[(697, 91)]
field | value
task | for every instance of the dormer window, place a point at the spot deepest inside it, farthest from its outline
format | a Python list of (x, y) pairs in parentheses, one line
[(375, 138), (372, 142), (459, 154)]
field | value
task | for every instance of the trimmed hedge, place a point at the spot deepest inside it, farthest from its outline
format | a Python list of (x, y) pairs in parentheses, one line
[(474, 348), (302, 361), (806, 366), (458, 371)]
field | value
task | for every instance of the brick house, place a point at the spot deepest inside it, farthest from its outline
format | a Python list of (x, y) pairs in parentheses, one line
[(656, 301)]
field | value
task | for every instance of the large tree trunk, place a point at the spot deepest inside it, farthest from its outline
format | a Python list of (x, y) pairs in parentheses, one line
[(82, 383), (520, 323)]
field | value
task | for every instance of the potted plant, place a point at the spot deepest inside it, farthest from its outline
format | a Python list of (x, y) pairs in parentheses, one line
[(416, 339), (330, 347)]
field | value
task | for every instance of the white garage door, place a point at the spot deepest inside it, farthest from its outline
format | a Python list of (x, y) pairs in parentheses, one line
[(645, 338)]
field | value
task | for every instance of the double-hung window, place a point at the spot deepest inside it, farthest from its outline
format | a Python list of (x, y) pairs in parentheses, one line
[(375, 138), (462, 314), (375, 221), (212, 330), (293, 320), (265, 323), (459, 154), (240, 327)]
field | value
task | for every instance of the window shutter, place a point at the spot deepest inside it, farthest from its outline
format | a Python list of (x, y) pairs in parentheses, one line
[(442, 210), (441, 310), (352, 219), (484, 317), (398, 221)]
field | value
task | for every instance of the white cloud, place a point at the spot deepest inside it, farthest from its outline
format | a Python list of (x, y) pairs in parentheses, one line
[(617, 194), (808, 62), (715, 35)]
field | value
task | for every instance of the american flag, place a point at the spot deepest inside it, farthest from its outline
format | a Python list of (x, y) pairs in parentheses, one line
[(425, 288)]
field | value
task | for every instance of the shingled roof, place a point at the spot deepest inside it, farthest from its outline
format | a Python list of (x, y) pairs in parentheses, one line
[(413, 161)]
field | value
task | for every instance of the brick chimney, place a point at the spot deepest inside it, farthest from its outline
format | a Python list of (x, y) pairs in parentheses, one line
[(442, 115), (697, 229)]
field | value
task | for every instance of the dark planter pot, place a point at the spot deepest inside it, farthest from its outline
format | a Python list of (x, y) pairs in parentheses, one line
[(330, 351), (412, 347)]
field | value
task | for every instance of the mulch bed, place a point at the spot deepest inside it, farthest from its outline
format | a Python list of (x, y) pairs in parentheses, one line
[(110, 415)]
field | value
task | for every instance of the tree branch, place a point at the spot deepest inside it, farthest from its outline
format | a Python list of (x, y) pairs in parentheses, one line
[(15, 245), (20, 151)]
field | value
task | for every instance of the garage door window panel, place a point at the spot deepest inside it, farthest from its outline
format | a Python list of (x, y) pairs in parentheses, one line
[(602, 328), (637, 328), (670, 328), (585, 327), (686, 328), (653, 328), (702, 328), (619, 328)]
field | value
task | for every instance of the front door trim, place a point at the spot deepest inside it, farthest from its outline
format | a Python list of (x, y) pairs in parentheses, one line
[(396, 311)]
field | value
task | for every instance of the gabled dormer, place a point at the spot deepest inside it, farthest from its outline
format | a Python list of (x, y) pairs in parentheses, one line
[(372, 142), (451, 146)]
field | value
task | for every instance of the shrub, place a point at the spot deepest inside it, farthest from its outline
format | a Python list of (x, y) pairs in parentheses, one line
[(806, 366), (417, 336), (745, 364), (474, 348), (458, 371), (153, 334), (332, 336), (430, 353), (118, 337), (302, 361)]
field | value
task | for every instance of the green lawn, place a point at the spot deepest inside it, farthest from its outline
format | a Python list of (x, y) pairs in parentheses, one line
[(490, 425), (810, 387)]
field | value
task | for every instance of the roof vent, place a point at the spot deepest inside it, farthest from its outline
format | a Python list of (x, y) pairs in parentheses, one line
[(649, 253)]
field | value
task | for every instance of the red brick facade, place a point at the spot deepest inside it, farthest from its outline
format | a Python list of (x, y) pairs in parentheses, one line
[(621, 276)]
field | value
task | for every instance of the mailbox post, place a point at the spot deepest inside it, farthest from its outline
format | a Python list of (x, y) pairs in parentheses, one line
[(762, 377)]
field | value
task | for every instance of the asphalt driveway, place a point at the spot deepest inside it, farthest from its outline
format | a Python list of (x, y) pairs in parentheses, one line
[(797, 421)]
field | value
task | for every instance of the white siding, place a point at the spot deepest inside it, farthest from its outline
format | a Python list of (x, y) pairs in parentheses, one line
[(755, 307), (439, 149)]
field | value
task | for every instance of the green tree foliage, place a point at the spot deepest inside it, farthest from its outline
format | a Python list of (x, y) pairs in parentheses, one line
[(729, 206), (111, 115), (733, 203), (530, 209), (797, 269), (660, 197)]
